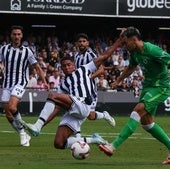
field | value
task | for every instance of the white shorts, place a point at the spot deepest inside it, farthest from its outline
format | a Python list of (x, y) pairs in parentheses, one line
[(93, 105), (77, 114), (17, 91)]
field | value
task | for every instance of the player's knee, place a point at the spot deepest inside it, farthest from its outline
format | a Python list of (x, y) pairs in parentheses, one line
[(59, 144), (9, 116), (140, 109), (12, 109), (92, 116)]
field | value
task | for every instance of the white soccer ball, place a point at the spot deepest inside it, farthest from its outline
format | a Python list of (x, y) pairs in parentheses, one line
[(80, 150)]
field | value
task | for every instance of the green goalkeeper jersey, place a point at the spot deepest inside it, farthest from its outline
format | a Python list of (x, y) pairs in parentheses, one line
[(154, 64)]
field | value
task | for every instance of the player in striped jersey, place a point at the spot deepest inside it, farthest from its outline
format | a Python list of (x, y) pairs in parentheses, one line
[(84, 56), (74, 96), (16, 59)]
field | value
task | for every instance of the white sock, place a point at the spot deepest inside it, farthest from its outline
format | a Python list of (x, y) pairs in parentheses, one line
[(90, 140), (45, 113), (39, 124), (16, 123), (99, 115), (72, 140)]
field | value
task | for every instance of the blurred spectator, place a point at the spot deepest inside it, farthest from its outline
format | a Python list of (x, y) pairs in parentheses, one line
[(74, 51), (32, 81), (102, 83), (115, 56), (54, 60), (111, 79), (135, 88), (35, 74), (52, 86), (125, 55), (44, 54), (121, 63), (123, 87), (39, 86), (98, 48), (55, 77), (41, 62)]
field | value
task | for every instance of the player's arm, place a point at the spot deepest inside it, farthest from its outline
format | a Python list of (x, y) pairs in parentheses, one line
[(126, 73), (98, 61), (98, 72), (41, 74)]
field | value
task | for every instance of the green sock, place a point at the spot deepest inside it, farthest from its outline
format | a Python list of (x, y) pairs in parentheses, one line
[(128, 129), (157, 132)]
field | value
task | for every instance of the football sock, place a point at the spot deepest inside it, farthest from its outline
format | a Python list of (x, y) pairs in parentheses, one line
[(16, 123), (157, 132), (39, 124), (47, 110), (72, 140), (99, 115), (127, 130), (45, 113)]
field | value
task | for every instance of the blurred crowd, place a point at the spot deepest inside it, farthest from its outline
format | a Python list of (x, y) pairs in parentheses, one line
[(49, 49)]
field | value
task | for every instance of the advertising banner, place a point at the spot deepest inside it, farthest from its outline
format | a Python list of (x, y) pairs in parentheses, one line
[(144, 8), (60, 7), (103, 8)]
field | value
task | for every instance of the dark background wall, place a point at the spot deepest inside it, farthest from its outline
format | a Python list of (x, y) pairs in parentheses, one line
[(120, 103), (66, 26)]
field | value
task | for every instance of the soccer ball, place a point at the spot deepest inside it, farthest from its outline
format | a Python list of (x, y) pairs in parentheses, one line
[(80, 150)]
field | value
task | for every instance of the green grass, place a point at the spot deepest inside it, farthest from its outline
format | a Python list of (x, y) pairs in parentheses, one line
[(138, 152)]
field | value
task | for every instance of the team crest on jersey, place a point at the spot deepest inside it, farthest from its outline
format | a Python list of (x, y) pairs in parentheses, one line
[(145, 61)]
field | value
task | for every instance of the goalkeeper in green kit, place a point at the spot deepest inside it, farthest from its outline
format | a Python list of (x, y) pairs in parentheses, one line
[(156, 89)]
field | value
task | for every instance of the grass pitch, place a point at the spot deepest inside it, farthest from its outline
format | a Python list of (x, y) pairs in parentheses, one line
[(138, 152)]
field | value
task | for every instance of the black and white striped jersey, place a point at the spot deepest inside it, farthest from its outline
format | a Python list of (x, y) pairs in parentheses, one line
[(16, 62), (79, 83), (85, 58)]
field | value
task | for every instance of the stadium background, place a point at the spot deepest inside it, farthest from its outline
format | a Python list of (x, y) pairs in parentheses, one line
[(97, 17)]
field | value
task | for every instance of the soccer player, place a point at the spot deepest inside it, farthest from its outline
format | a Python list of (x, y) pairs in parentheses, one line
[(84, 56), (154, 64), (16, 59), (75, 97)]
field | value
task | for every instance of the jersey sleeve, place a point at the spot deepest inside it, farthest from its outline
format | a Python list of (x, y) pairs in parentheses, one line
[(31, 57), (1, 54), (91, 66)]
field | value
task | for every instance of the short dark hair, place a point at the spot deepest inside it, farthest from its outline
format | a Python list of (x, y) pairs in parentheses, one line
[(82, 35), (131, 31), (16, 27), (67, 58)]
